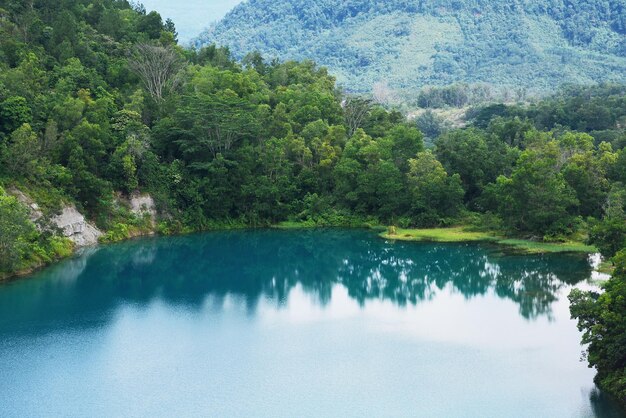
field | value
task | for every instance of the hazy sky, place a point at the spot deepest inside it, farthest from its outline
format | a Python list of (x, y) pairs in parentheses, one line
[(190, 16)]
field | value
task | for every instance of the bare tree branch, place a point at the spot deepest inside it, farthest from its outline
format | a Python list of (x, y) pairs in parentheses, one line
[(158, 67), (355, 110)]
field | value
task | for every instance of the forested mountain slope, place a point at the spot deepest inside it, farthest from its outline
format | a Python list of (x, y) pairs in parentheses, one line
[(534, 44)]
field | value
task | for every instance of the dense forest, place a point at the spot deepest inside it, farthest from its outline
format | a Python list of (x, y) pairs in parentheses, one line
[(399, 46), (97, 102)]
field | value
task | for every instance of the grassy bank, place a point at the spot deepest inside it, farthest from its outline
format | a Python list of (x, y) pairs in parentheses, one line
[(40, 254), (462, 234)]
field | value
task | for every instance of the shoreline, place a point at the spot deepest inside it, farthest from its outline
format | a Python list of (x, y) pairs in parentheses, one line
[(440, 235)]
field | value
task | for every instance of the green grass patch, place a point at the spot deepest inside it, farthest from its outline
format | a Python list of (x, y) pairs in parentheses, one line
[(456, 234), (462, 234), (295, 225), (538, 247)]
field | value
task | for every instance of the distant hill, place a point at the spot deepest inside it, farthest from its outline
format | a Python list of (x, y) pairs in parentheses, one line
[(407, 44)]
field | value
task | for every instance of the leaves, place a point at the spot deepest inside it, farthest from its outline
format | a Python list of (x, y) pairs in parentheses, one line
[(15, 232), (399, 46), (602, 319)]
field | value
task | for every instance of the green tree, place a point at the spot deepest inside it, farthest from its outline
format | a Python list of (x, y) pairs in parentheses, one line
[(618, 170), (213, 124), (406, 143), (20, 156), (151, 24), (14, 112), (15, 229), (434, 194), (585, 175), (536, 199), (380, 189), (431, 124), (477, 158), (609, 234), (602, 319)]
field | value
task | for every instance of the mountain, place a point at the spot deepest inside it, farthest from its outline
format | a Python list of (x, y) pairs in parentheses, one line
[(408, 44)]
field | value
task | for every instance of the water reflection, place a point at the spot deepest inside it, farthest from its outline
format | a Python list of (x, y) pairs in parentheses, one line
[(266, 265), (604, 406)]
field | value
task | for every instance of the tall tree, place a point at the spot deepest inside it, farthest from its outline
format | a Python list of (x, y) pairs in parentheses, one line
[(536, 199), (158, 67), (14, 231), (602, 319), (434, 194), (355, 111)]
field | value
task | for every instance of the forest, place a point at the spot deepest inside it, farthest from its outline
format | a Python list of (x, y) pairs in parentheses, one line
[(404, 45), (98, 101)]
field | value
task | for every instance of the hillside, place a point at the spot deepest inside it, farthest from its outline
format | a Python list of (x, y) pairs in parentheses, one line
[(407, 44)]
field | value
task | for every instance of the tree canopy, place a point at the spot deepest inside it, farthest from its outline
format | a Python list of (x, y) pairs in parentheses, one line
[(532, 46)]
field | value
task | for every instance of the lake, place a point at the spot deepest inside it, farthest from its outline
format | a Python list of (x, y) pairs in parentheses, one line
[(296, 324)]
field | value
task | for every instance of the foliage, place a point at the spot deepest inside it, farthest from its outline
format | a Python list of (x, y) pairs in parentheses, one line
[(609, 236), (602, 319), (478, 158), (536, 199), (406, 45), (609, 233), (20, 154), (435, 195), (119, 232), (599, 110), (15, 232), (22, 247), (431, 124), (14, 112)]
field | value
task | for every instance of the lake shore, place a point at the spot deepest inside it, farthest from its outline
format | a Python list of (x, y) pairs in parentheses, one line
[(443, 235)]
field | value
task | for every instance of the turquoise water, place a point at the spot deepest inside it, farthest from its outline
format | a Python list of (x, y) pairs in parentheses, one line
[(296, 324)]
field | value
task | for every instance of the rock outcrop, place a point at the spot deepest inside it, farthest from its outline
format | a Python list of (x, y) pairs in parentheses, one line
[(142, 205), (74, 226), (34, 212)]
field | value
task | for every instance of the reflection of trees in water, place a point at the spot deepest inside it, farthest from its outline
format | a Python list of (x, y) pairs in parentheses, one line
[(603, 405), (411, 273), (268, 264)]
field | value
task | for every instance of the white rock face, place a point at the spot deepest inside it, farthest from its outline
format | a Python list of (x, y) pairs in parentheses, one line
[(34, 212), (142, 204), (70, 221), (76, 228)]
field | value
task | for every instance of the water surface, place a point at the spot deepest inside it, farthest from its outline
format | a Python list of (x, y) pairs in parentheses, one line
[(296, 324)]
